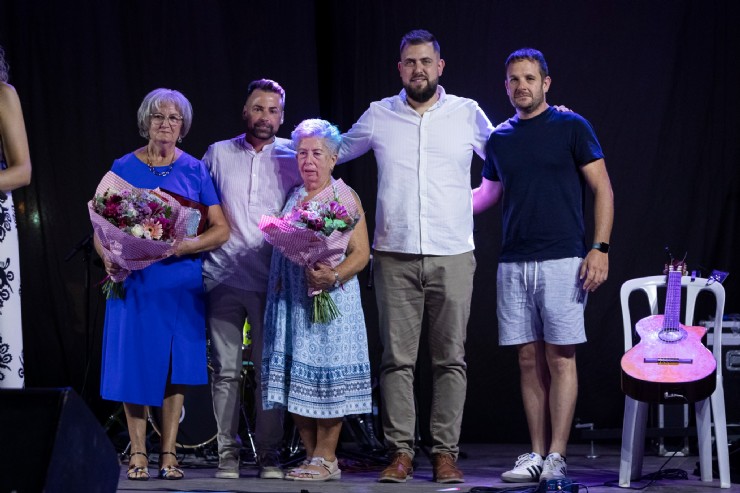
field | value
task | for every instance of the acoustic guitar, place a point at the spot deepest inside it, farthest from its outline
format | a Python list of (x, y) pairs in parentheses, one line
[(670, 360)]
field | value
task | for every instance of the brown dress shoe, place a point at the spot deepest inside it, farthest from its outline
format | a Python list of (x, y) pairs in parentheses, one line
[(399, 470), (445, 469)]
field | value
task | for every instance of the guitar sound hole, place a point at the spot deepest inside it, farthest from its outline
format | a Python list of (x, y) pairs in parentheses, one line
[(671, 335)]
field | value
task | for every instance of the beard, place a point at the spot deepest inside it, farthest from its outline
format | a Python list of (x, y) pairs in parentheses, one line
[(534, 104), (261, 131), (423, 94)]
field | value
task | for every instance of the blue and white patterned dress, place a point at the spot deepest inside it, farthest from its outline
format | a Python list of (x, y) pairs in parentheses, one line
[(11, 334), (315, 370)]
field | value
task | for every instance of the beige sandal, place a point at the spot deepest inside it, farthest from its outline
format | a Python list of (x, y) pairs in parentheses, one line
[(320, 470), (289, 472)]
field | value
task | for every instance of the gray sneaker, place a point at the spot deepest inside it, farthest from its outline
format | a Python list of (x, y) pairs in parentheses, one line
[(270, 467), (227, 469)]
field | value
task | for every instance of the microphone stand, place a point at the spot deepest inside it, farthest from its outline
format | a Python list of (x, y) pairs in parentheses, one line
[(85, 247)]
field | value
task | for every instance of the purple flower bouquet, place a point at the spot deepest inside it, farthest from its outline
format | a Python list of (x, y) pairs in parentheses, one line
[(317, 231), (135, 226)]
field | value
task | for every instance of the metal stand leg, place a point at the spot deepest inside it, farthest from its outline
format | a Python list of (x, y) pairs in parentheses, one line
[(589, 426), (247, 410)]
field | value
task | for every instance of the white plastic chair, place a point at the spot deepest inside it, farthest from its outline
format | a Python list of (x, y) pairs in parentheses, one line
[(708, 410)]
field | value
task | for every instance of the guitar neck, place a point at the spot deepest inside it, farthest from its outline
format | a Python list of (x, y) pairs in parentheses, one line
[(671, 319)]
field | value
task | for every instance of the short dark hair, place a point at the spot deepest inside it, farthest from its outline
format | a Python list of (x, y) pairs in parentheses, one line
[(269, 86), (419, 37), (528, 54)]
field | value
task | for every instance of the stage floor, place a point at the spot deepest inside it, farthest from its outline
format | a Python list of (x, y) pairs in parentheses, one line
[(481, 463)]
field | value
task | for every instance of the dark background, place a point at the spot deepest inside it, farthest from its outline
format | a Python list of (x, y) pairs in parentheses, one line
[(658, 80)]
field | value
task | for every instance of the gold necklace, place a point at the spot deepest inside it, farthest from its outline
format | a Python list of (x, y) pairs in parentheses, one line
[(152, 167)]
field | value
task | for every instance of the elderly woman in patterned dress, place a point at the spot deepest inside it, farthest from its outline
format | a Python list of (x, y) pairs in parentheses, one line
[(320, 372)]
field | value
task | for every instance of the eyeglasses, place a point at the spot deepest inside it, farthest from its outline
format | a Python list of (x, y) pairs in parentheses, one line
[(159, 118)]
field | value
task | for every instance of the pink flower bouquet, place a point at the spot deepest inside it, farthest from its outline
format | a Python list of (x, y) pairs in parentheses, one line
[(317, 231), (136, 226)]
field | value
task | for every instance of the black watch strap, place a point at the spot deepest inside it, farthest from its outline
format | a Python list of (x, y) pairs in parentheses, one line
[(602, 247)]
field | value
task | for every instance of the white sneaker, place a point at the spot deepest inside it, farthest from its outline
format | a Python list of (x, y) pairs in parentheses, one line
[(554, 467), (526, 470)]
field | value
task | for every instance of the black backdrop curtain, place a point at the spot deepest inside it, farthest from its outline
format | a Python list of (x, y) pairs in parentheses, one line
[(658, 80)]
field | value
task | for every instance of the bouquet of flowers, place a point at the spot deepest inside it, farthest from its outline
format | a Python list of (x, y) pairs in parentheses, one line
[(136, 227), (316, 231)]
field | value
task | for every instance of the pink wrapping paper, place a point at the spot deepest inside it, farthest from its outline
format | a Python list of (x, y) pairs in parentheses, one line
[(304, 246), (128, 251)]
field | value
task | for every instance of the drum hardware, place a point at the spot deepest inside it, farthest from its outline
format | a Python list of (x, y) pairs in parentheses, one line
[(589, 426), (115, 418), (197, 423), (197, 426), (248, 412), (116, 428), (292, 451), (361, 429), (294, 445)]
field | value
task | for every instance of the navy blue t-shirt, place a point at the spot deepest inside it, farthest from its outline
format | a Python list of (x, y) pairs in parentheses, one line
[(538, 162)]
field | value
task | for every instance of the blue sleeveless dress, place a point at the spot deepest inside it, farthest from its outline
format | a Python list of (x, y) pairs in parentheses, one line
[(314, 370)]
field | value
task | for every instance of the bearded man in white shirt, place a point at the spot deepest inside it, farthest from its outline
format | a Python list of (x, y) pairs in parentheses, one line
[(253, 173), (423, 140)]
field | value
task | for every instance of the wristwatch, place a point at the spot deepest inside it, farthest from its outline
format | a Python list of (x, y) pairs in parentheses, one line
[(602, 247), (336, 279)]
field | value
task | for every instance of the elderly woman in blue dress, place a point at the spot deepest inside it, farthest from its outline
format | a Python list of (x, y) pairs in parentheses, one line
[(320, 372), (155, 337)]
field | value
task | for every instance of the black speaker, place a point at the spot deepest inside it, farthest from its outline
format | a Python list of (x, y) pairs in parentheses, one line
[(50, 441), (731, 382)]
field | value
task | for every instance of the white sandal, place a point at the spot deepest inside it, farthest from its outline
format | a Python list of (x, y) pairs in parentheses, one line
[(327, 471)]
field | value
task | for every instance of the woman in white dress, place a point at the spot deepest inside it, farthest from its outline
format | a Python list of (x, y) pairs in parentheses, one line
[(15, 172)]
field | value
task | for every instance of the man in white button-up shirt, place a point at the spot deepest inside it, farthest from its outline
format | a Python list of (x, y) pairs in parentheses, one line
[(423, 140), (253, 174)]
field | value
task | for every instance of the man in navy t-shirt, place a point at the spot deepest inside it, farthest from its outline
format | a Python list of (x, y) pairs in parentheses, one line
[(539, 161)]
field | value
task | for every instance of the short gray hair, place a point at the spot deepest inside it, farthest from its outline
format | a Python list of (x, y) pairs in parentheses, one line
[(321, 129), (155, 100)]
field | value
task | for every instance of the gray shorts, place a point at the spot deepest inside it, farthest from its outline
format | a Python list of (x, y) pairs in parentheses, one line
[(540, 301)]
